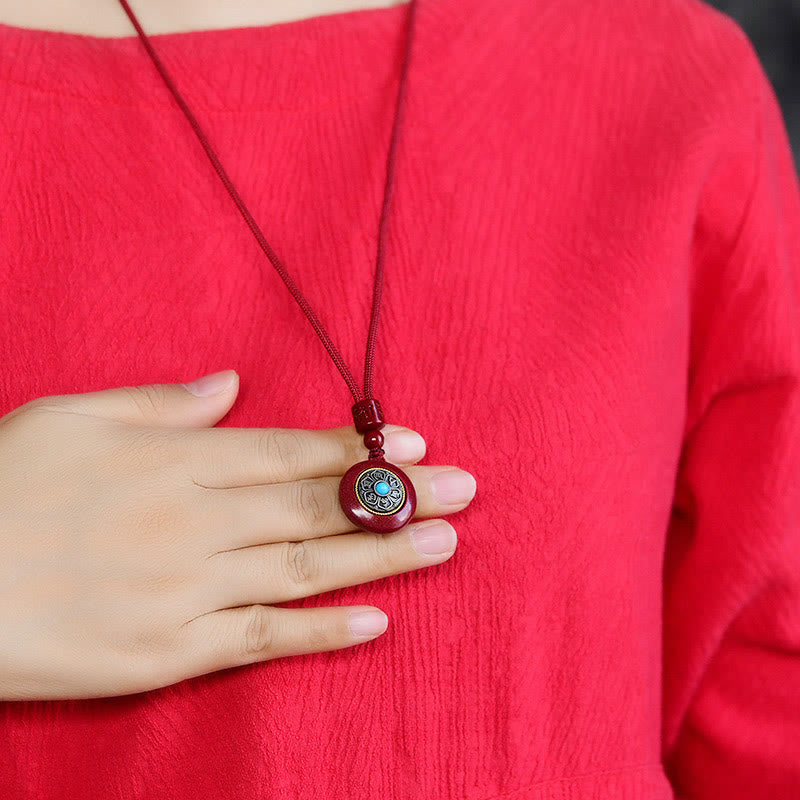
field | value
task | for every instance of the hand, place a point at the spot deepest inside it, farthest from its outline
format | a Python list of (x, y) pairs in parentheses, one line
[(140, 545)]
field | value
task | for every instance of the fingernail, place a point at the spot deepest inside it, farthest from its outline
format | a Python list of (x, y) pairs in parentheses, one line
[(211, 384), (403, 447), (368, 623), (435, 539), (454, 486)]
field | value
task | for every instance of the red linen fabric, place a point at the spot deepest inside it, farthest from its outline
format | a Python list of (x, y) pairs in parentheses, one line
[(591, 303)]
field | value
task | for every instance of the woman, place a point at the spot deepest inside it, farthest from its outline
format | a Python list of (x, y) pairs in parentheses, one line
[(590, 306)]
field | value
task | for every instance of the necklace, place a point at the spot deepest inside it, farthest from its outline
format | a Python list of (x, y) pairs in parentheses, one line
[(374, 494)]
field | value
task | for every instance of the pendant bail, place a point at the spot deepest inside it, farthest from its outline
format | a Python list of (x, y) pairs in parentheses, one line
[(368, 419), (375, 495), (367, 415)]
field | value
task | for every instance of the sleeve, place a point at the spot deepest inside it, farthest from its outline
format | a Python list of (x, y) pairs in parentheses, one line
[(731, 657)]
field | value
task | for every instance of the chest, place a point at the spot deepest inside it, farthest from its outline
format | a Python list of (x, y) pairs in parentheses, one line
[(515, 293), (533, 329)]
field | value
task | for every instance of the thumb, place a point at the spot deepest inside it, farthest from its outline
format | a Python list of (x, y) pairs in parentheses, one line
[(200, 403)]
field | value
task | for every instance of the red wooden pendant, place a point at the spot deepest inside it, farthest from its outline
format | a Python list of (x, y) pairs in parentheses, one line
[(377, 496)]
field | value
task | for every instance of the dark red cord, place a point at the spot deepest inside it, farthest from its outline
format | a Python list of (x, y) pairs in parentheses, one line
[(290, 284)]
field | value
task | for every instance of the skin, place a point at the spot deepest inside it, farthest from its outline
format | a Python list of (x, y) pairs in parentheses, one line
[(140, 545), (169, 16)]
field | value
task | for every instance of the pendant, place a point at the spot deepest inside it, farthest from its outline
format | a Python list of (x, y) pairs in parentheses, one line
[(375, 495)]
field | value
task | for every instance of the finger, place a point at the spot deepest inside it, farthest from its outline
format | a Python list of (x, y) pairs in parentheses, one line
[(200, 403), (227, 457), (275, 573), (237, 636), (310, 508)]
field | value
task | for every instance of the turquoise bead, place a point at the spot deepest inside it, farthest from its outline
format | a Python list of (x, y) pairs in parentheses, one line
[(382, 488)]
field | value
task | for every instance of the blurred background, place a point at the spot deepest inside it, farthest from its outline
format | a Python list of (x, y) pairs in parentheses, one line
[(774, 28)]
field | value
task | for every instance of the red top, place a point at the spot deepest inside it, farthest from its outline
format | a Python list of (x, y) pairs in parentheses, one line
[(591, 303)]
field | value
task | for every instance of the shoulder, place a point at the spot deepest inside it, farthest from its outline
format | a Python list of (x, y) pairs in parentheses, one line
[(681, 25), (685, 49), (673, 81)]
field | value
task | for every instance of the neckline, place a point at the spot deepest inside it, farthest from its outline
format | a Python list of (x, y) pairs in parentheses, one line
[(317, 23), (307, 64)]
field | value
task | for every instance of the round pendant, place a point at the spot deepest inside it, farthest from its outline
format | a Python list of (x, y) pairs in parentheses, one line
[(377, 496)]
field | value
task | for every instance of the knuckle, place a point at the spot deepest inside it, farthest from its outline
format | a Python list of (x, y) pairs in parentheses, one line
[(147, 448), (282, 449), (36, 404), (22, 419), (163, 524), (145, 672), (352, 444), (30, 415), (146, 657), (149, 399), (318, 639), (162, 582), (314, 504), (382, 553), (259, 632), (299, 563), (149, 642)]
